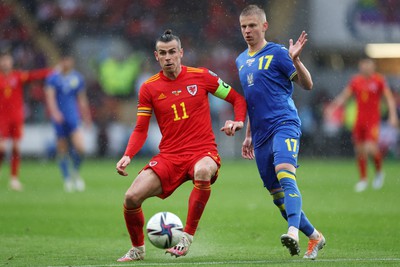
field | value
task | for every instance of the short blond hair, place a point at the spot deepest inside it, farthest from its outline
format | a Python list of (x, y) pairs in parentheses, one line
[(254, 10)]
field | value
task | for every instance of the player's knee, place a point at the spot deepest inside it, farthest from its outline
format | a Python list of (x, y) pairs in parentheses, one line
[(203, 173), (132, 200)]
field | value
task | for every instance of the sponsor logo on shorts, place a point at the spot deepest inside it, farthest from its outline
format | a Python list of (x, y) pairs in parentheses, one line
[(153, 163)]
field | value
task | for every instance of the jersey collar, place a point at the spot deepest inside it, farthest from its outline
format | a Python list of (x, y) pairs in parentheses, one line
[(251, 54), (183, 72)]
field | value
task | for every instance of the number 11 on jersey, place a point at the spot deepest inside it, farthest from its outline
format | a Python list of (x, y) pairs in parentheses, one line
[(185, 115)]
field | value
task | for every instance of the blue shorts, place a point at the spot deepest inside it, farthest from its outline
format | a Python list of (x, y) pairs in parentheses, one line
[(65, 129), (281, 147)]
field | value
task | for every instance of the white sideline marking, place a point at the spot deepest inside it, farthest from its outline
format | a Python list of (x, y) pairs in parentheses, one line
[(141, 263)]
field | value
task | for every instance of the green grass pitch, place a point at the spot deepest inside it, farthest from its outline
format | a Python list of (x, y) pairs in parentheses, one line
[(44, 226)]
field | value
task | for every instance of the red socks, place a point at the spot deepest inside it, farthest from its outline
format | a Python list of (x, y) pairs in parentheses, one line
[(15, 161), (197, 202), (134, 220), (378, 161), (362, 166)]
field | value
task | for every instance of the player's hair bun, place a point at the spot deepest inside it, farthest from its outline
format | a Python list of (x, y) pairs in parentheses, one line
[(169, 31)]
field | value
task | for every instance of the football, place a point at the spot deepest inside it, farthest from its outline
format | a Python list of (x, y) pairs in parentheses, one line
[(164, 230)]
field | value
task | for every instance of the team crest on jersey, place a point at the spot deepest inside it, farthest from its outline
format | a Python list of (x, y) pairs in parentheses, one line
[(250, 79), (192, 89), (250, 61), (153, 163)]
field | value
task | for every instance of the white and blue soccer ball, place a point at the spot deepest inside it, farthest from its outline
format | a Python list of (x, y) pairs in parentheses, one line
[(164, 230)]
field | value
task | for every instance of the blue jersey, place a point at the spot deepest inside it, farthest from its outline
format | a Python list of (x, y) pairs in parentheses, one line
[(67, 88), (266, 77)]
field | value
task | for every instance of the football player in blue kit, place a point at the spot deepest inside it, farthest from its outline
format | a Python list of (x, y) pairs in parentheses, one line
[(67, 104), (266, 72)]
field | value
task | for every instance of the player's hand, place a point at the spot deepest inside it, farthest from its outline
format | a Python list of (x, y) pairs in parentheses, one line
[(122, 164), (295, 49), (58, 117), (248, 149), (231, 127)]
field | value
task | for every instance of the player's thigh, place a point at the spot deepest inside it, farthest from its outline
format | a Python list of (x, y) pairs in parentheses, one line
[(205, 169), (147, 184), (286, 144), (16, 143), (265, 165)]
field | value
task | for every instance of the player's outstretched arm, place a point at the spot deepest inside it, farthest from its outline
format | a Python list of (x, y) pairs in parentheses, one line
[(239, 107), (303, 77), (135, 143), (122, 164)]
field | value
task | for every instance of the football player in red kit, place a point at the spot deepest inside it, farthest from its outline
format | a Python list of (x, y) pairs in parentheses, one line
[(178, 97), (12, 110), (368, 87)]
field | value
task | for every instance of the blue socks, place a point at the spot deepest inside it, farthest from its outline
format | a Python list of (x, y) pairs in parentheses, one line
[(289, 203), (63, 163), (76, 159)]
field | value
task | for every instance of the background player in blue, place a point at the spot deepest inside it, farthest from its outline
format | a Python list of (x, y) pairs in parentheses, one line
[(66, 100), (266, 72)]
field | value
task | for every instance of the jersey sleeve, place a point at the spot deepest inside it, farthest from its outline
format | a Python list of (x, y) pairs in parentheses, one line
[(224, 91), (139, 134), (40, 74), (286, 63)]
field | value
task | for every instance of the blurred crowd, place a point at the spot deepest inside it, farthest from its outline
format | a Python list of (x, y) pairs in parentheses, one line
[(113, 43)]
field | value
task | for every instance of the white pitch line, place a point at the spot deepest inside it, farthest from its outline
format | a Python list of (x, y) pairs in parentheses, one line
[(234, 262)]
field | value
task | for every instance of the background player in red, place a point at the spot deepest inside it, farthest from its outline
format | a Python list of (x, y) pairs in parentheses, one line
[(178, 96), (12, 110), (368, 87)]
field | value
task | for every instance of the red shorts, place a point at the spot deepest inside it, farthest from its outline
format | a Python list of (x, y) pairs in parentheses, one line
[(363, 133), (173, 170), (11, 128)]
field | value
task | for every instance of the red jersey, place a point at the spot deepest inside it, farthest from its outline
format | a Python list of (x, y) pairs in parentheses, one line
[(368, 92), (182, 110), (11, 92)]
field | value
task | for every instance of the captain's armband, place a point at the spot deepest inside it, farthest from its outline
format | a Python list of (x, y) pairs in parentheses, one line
[(222, 90)]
